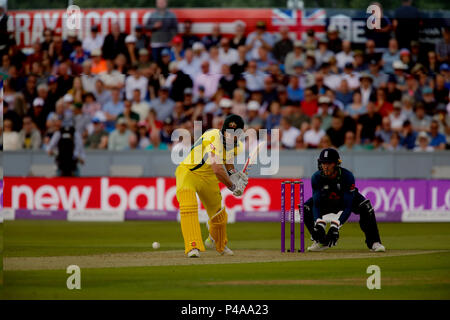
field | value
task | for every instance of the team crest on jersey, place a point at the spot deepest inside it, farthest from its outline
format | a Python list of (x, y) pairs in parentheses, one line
[(193, 244), (232, 125)]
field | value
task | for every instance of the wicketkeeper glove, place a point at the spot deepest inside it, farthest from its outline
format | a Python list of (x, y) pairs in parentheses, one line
[(333, 234), (319, 231)]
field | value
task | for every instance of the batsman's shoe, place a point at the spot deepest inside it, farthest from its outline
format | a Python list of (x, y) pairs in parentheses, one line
[(227, 252), (378, 247), (194, 253), (210, 243), (317, 247)]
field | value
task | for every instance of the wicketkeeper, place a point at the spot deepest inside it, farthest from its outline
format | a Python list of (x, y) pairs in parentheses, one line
[(334, 190), (208, 163)]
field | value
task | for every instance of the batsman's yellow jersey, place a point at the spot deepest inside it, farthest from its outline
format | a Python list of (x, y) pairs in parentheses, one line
[(209, 144)]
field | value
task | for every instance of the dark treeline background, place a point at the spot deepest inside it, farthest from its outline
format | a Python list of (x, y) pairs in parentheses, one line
[(355, 4)]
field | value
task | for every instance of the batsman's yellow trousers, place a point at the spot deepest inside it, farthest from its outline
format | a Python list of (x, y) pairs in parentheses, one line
[(207, 188)]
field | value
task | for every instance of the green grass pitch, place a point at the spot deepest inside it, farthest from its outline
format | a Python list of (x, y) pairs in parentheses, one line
[(416, 265)]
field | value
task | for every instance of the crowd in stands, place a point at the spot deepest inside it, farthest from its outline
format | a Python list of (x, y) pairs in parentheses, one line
[(131, 91)]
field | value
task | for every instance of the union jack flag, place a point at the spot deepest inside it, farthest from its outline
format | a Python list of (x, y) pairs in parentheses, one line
[(299, 21)]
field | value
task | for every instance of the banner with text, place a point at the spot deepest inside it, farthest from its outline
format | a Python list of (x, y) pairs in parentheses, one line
[(393, 200)]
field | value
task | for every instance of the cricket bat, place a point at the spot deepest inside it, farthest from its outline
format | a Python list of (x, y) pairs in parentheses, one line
[(253, 156)]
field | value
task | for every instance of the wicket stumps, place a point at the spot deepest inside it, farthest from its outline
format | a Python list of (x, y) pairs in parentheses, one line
[(292, 215)]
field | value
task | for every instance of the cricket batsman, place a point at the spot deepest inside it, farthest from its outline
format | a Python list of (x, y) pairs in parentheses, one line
[(334, 190), (209, 162)]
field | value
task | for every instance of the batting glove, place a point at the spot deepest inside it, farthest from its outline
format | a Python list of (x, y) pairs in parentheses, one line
[(333, 234), (319, 231)]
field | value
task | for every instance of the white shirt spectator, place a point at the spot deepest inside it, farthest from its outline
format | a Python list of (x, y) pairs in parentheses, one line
[(332, 81), (115, 78), (142, 109), (132, 83), (342, 58), (312, 137), (209, 81), (89, 43), (230, 57), (352, 80), (88, 82), (192, 69), (255, 81), (289, 136), (253, 52), (397, 122), (11, 141)]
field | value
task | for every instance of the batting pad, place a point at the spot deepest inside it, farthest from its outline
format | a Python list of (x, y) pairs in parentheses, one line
[(190, 226), (218, 229)]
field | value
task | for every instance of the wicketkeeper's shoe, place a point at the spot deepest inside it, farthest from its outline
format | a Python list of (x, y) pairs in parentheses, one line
[(378, 247), (227, 252), (209, 243), (317, 247), (194, 253)]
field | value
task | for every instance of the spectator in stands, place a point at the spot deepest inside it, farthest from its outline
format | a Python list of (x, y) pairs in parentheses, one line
[(356, 108), (337, 131), (239, 38), (385, 131), (273, 118), (397, 118), (366, 89), (422, 143), (392, 92), (118, 139), (239, 105), (239, 67), (94, 40), (164, 26), (136, 80), (90, 106), (163, 105), (408, 136), (383, 107), (29, 136), (441, 92), (391, 55), (322, 53), (334, 42), (188, 37), (111, 77), (283, 46), (428, 100), (253, 120), (406, 23), (113, 108), (368, 124), (288, 134), (87, 78), (437, 139), (313, 136), (346, 55), (443, 46), (254, 78), (420, 120), (114, 43), (11, 139), (131, 116), (394, 143), (208, 80), (215, 65), (380, 78), (212, 39), (189, 65), (258, 38), (227, 55), (138, 106), (350, 142), (48, 39), (98, 139)]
